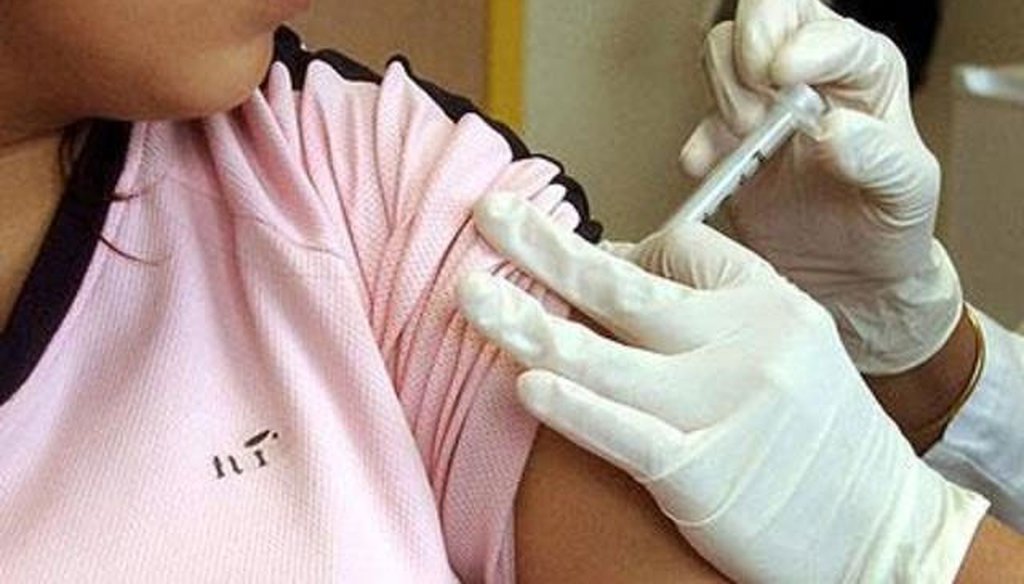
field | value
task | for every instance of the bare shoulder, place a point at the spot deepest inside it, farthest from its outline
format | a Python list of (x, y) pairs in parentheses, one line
[(578, 519)]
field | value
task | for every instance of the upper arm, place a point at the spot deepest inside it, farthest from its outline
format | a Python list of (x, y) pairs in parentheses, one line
[(396, 165), (458, 390), (995, 555), (578, 519)]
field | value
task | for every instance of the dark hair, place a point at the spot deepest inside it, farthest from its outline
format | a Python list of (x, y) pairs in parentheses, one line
[(92, 157)]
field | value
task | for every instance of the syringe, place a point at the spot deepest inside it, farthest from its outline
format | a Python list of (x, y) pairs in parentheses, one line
[(798, 108)]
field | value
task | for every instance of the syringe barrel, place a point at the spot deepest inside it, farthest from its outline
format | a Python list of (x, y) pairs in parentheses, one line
[(799, 108)]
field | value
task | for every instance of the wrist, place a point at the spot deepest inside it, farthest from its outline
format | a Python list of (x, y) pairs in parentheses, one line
[(895, 328), (924, 400)]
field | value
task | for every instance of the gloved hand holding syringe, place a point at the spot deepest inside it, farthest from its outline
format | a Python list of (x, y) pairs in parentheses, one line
[(797, 108), (723, 387)]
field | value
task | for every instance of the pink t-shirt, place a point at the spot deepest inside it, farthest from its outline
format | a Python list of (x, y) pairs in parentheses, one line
[(280, 388)]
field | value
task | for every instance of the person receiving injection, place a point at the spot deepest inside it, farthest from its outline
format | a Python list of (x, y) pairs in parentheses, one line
[(774, 398)]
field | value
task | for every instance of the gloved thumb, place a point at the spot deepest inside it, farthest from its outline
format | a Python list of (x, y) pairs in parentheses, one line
[(619, 249), (899, 174), (696, 255)]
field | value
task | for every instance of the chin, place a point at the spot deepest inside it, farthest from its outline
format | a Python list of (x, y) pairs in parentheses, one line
[(225, 83)]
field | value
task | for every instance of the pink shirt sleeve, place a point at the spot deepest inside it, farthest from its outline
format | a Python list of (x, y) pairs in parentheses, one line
[(397, 165)]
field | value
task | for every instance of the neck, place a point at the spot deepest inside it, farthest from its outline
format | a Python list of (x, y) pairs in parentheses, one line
[(30, 188), (31, 184), (30, 179)]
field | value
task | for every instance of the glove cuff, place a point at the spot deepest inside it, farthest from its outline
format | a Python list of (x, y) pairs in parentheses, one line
[(927, 534), (896, 328)]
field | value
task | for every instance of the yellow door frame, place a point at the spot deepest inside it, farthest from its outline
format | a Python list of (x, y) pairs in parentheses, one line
[(505, 61)]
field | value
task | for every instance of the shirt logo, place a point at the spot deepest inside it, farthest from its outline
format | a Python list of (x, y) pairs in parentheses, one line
[(252, 458)]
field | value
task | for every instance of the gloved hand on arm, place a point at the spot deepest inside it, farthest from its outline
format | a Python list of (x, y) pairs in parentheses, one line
[(849, 215), (729, 396)]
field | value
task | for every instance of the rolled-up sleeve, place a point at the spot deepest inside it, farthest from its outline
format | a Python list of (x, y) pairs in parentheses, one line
[(397, 164)]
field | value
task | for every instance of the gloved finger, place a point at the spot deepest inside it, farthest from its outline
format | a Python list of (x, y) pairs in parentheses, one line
[(634, 305), (700, 257), (763, 27), (518, 324), (634, 441), (741, 108), (900, 176), (862, 67), (709, 143), (619, 249)]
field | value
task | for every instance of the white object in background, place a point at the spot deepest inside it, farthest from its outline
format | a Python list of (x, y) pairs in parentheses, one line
[(984, 209), (798, 108)]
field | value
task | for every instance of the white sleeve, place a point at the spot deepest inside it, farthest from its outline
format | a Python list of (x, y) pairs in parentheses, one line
[(983, 448)]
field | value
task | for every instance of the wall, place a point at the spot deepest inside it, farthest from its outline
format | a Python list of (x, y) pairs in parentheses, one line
[(973, 31), (980, 144), (613, 88), (445, 39)]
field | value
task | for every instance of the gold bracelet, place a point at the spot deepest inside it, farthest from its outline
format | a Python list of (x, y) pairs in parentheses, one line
[(972, 383)]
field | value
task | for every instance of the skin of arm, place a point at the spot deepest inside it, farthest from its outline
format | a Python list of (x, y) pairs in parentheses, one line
[(578, 519), (997, 555)]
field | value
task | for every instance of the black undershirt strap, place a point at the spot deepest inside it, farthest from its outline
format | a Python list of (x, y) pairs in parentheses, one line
[(66, 253)]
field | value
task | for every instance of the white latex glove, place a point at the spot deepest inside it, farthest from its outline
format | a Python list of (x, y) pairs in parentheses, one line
[(849, 218), (736, 407)]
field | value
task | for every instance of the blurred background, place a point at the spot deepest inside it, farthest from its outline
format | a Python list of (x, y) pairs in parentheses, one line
[(612, 88)]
